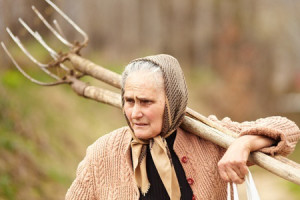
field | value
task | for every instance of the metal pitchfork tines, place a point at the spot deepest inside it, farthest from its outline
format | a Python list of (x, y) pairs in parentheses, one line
[(202, 127), (58, 58), (80, 65)]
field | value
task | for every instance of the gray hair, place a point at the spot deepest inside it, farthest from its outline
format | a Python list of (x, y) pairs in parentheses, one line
[(143, 66)]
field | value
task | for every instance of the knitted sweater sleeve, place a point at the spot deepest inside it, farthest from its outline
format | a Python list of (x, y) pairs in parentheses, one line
[(285, 132), (83, 186)]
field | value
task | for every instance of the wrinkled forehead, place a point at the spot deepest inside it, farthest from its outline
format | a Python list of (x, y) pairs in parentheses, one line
[(141, 68), (146, 78)]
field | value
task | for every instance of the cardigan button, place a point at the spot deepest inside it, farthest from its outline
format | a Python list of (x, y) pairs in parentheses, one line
[(190, 181), (184, 159), (194, 197)]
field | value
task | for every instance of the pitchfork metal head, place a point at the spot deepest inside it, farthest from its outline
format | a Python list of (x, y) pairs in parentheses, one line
[(58, 58)]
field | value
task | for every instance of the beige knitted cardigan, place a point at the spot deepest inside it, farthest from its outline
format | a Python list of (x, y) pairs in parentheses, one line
[(106, 171)]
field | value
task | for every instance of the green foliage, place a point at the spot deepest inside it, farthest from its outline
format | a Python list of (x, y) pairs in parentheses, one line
[(7, 144), (44, 132), (59, 177), (12, 79), (27, 152), (295, 189), (7, 189)]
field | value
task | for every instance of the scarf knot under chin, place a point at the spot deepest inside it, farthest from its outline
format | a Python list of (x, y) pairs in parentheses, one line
[(163, 163)]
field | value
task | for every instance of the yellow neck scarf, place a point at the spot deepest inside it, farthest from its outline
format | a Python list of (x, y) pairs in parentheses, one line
[(163, 163)]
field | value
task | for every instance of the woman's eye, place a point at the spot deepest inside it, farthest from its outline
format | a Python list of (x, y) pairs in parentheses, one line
[(129, 100), (146, 101)]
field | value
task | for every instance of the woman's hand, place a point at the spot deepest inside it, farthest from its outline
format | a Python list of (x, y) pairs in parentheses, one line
[(233, 165)]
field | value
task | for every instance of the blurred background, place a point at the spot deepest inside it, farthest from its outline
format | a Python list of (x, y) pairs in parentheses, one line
[(240, 58)]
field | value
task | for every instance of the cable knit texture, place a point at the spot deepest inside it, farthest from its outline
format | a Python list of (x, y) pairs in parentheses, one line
[(278, 128), (106, 172)]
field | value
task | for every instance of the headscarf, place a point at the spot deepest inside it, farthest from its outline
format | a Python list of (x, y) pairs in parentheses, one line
[(175, 106)]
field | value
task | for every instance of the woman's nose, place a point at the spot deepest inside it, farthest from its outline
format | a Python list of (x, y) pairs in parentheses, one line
[(136, 112)]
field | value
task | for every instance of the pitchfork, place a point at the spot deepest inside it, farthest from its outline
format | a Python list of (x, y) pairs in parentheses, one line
[(193, 122)]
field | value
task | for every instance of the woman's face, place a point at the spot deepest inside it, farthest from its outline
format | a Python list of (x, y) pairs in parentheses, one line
[(144, 105)]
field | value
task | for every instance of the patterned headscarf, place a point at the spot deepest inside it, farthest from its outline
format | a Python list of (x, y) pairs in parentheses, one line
[(176, 102)]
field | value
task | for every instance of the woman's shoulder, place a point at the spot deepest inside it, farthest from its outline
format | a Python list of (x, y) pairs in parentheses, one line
[(115, 142)]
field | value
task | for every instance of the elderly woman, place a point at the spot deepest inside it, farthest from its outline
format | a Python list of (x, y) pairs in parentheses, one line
[(153, 158)]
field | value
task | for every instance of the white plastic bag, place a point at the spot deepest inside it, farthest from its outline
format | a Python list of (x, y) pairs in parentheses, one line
[(252, 193)]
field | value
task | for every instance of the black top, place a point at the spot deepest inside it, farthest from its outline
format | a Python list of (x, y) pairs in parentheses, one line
[(157, 189)]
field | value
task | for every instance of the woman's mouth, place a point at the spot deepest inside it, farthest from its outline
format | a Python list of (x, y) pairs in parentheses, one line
[(140, 124)]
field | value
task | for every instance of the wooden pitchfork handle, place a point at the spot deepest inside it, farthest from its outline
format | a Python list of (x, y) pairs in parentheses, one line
[(202, 127)]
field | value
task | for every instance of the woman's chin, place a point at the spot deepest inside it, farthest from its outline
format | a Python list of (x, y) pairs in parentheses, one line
[(144, 134), (141, 135)]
